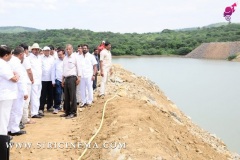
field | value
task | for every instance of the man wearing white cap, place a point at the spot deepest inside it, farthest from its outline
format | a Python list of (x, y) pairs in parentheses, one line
[(47, 88), (36, 66)]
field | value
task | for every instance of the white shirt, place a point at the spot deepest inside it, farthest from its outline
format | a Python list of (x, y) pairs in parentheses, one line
[(27, 65), (57, 71), (106, 58), (8, 89), (36, 66), (47, 63), (55, 55), (86, 64), (70, 66), (17, 67)]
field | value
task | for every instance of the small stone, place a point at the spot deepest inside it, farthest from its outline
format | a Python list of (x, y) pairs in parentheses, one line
[(140, 129), (151, 130), (199, 151)]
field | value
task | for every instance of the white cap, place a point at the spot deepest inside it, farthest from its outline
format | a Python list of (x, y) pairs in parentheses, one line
[(35, 45), (46, 48)]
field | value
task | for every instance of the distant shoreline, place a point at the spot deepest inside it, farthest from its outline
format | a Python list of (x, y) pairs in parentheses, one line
[(133, 56)]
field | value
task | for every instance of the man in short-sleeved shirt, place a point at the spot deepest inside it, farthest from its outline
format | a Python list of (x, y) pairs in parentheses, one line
[(71, 78), (88, 69)]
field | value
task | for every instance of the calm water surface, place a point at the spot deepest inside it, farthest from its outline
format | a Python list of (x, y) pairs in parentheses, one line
[(206, 90)]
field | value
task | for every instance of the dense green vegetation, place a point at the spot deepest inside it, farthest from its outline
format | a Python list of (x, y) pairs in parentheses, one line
[(158, 43)]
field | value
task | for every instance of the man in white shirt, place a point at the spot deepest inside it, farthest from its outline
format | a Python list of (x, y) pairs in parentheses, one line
[(105, 66), (47, 88), (8, 88), (56, 75), (17, 107), (71, 78), (88, 70), (78, 92), (36, 66), (27, 65)]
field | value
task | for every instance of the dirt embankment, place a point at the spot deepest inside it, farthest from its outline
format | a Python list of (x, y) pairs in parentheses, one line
[(140, 123), (215, 50)]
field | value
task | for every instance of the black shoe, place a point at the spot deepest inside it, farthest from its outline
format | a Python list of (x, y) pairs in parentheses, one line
[(36, 116), (17, 133), (41, 114), (71, 116), (64, 115)]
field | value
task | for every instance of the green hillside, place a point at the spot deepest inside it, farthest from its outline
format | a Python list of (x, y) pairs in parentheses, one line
[(17, 29), (158, 43)]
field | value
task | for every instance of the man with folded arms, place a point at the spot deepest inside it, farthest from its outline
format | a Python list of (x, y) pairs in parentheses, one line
[(71, 78)]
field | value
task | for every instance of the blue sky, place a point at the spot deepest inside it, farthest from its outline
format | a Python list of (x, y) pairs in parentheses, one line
[(114, 15)]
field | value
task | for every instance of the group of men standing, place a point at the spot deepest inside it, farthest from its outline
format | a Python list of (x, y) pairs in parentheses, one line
[(39, 80)]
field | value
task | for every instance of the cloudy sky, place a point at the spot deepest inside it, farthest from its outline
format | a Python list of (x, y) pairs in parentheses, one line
[(114, 15)]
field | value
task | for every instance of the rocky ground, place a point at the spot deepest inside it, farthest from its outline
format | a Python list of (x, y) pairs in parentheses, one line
[(215, 50), (140, 123)]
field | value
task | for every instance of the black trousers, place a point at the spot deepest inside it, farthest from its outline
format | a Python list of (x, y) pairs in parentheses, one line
[(46, 95), (4, 149), (70, 99)]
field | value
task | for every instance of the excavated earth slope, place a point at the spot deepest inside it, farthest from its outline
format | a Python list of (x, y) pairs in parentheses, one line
[(140, 123), (215, 50)]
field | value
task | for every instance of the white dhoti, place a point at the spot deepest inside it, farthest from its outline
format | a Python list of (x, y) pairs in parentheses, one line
[(16, 113), (5, 111), (86, 90), (35, 98)]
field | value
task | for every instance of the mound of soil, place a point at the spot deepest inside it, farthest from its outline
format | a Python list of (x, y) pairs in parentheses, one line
[(215, 50)]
